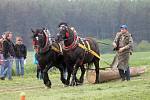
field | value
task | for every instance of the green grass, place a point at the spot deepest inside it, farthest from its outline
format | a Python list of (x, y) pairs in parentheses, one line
[(136, 89), (136, 59)]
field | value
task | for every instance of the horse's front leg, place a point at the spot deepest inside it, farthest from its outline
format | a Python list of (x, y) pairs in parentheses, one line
[(69, 71), (63, 74), (46, 79), (81, 80), (74, 79)]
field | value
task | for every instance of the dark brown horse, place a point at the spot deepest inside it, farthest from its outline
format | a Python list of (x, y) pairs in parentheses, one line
[(48, 54), (75, 56)]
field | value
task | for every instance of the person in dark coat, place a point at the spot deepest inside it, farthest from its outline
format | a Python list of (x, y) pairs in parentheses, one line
[(8, 54), (21, 53), (1, 55)]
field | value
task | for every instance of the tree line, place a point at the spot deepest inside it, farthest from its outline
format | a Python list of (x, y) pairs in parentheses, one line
[(100, 19)]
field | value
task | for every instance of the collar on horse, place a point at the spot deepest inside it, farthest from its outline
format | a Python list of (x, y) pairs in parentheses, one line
[(73, 44)]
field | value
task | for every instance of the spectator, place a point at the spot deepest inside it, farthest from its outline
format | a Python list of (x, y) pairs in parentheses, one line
[(1, 55), (21, 53), (8, 53), (39, 71)]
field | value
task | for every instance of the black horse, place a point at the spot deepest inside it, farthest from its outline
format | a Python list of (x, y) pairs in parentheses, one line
[(75, 56), (48, 54)]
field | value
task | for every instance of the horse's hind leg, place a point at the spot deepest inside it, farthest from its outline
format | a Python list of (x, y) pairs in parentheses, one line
[(81, 80), (96, 63), (74, 78)]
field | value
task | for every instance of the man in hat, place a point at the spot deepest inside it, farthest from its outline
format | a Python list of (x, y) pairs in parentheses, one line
[(123, 44)]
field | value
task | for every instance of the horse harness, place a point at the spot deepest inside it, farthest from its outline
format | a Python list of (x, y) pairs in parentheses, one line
[(47, 47), (82, 45)]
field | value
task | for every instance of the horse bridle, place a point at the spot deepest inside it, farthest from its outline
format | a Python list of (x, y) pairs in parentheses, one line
[(47, 44)]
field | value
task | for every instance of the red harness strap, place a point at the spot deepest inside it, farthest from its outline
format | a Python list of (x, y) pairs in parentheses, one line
[(67, 34)]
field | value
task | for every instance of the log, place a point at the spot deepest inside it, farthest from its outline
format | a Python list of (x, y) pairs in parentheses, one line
[(112, 74)]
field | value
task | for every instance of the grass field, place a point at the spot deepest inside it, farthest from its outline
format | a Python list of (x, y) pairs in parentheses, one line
[(136, 89)]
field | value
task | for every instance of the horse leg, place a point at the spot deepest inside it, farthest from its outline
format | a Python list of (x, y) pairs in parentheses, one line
[(39, 74), (68, 78), (73, 81), (69, 69), (96, 63), (46, 80), (76, 79), (81, 80), (63, 72)]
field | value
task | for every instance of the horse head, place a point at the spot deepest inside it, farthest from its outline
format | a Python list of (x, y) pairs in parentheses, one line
[(67, 34), (63, 32), (41, 40)]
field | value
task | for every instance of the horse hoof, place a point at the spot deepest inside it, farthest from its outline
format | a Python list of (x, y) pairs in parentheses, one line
[(46, 87), (79, 84), (97, 82), (81, 81), (72, 84), (48, 84), (66, 83)]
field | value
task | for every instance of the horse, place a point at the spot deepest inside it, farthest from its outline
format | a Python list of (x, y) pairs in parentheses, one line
[(48, 54), (75, 56)]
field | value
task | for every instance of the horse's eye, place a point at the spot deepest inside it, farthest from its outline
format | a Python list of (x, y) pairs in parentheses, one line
[(37, 38)]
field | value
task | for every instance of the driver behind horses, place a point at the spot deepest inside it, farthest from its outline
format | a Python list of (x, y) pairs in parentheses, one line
[(123, 44)]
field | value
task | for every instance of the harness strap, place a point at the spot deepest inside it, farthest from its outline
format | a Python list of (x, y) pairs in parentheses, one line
[(88, 45), (82, 40), (60, 47), (91, 51), (55, 49)]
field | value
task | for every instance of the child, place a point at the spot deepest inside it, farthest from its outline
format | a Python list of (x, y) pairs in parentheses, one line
[(39, 72)]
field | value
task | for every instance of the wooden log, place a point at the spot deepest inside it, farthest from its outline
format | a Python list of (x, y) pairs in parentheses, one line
[(112, 74)]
